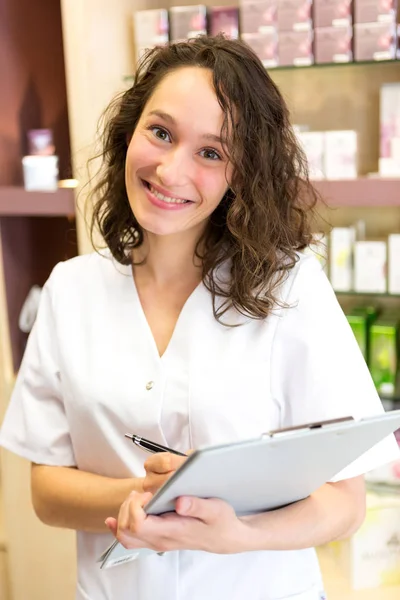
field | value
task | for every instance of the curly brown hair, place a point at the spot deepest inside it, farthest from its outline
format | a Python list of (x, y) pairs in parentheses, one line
[(264, 219)]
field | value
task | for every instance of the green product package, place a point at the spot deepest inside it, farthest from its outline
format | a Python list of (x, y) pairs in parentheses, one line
[(384, 355), (360, 319)]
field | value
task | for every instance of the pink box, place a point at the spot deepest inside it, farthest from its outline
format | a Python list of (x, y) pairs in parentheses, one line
[(333, 13), (370, 11), (187, 21), (256, 16), (224, 19), (333, 44), (375, 41), (295, 48), (294, 15), (265, 45)]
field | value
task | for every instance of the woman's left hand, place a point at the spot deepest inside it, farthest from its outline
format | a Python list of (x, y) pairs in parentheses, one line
[(209, 525)]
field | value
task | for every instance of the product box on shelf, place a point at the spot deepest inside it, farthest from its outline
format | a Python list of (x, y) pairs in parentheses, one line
[(394, 263), (370, 259), (294, 15), (371, 557), (333, 13), (333, 45), (187, 21), (370, 11), (295, 48), (265, 45), (384, 355), (150, 29), (341, 154), (360, 319), (389, 118), (258, 16), (313, 144), (40, 173), (375, 41), (341, 258), (224, 19), (40, 142)]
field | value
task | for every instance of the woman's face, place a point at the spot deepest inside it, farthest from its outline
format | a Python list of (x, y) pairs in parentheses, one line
[(176, 170)]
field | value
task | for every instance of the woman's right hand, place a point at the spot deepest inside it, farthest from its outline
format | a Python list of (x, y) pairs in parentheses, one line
[(159, 468)]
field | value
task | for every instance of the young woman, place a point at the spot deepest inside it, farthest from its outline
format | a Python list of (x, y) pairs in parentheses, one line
[(204, 322)]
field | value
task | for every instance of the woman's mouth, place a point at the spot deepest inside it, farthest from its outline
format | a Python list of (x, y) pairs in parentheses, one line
[(159, 197)]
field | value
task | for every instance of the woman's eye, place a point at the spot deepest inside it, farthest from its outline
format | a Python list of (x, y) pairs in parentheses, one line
[(210, 154), (160, 134)]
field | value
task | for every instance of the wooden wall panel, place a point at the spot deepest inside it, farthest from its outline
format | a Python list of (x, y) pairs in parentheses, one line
[(340, 97), (33, 93)]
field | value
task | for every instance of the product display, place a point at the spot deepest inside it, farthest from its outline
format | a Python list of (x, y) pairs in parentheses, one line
[(150, 29), (375, 41), (295, 48), (360, 319), (370, 11), (294, 15), (258, 16), (332, 13), (187, 21), (224, 19), (371, 557), (370, 267), (341, 154), (313, 144), (389, 117), (341, 258), (265, 45), (394, 263), (40, 142), (333, 45), (384, 356)]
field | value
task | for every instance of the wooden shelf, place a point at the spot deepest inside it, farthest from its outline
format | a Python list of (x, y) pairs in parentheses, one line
[(16, 201), (373, 192)]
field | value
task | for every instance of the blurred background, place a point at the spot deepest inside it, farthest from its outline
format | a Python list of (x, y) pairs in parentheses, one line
[(337, 63)]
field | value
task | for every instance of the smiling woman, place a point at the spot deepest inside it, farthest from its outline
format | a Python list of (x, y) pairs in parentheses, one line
[(202, 323), (209, 129)]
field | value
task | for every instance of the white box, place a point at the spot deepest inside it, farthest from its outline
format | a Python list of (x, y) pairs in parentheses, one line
[(150, 29), (371, 557), (389, 117), (40, 173), (370, 260), (341, 258), (394, 263), (341, 154), (313, 144)]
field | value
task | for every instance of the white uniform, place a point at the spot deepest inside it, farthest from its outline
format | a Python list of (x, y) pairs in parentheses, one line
[(91, 372)]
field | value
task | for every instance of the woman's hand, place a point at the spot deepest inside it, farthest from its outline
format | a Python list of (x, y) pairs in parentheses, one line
[(159, 468), (209, 525)]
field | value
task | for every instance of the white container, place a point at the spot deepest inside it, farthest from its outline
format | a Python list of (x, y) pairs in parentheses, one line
[(371, 557), (40, 173), (341, 154), (313, 144), (370, 260), (394, 263), (150, 29), (341, 258)]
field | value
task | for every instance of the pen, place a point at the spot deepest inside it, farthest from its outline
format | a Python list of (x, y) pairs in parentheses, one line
[(150, 446)]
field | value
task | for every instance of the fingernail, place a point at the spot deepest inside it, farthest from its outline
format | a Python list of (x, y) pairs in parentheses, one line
[(186, 505)]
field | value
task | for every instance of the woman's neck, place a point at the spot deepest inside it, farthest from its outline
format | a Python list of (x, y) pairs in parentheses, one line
[(168, 259)]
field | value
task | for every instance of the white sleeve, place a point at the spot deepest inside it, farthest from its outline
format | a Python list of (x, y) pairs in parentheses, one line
[(318, 371), (35, 425)]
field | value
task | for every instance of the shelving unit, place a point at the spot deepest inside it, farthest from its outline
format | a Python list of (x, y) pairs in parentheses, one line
[(359, 193), (15, 201)]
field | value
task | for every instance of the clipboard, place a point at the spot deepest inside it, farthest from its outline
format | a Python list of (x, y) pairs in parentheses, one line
[(274, 470)]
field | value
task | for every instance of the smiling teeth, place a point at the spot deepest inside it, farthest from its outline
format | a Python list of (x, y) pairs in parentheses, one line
[(166, 198)]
